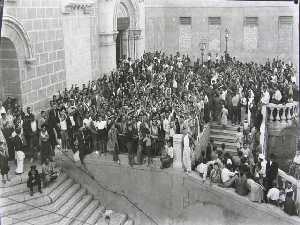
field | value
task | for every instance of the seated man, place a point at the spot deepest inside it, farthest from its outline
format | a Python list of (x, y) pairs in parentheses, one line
[(34, 179), (48, 173), (167, 156), (273, 194), (202, 169), (228, 177)]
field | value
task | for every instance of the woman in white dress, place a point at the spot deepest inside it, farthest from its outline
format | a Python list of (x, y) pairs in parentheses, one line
[(256, 191), (187, 152), (224, 115)]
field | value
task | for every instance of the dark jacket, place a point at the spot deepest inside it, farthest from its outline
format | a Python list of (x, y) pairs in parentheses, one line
[(271, 170), (17, 143)]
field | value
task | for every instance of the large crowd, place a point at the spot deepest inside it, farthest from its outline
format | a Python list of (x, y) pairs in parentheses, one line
[(139, 107)]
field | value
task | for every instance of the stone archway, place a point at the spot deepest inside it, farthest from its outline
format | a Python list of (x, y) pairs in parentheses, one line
[(16, 58), (108, 14)]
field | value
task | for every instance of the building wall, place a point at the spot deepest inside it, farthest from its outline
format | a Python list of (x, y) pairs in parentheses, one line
[(64, 43), (42, 22), (163, 29)]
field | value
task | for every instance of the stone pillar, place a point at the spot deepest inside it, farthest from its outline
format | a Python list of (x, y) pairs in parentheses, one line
[(177, 146), (107, 51)]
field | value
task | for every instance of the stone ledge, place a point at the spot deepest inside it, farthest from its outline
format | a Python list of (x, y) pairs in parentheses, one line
[(71, 6)]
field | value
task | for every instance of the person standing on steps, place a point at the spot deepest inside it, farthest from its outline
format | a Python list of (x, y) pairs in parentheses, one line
[(19, 154), (4, 168), (34, 180)]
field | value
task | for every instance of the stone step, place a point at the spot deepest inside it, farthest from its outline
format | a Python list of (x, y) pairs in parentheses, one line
[(81, 219), (228, 145), (228, 127), (223, 138), (38, 212), (22, 197), (223, 132), (61, 189), (21, 188), (115, 219), (80, 206), (54, 218), (129, 222), (95, 216), (22, 206)]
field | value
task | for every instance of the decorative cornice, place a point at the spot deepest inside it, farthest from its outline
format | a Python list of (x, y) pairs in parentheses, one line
[(70, 6)]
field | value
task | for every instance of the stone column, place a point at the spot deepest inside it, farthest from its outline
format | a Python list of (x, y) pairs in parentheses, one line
[(107, 51), (177, 146)]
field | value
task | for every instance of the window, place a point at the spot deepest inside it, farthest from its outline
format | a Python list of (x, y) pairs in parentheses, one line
[(285, 33), (214, 33), (250, 33), (185, 35)]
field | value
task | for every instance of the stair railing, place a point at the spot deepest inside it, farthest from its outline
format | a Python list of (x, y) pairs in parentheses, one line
[(283, 178)]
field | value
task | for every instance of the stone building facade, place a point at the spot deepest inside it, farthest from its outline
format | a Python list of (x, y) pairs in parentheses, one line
[(256, 30), (47, 45)]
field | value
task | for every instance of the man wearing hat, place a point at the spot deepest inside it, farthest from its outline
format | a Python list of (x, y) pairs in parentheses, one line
[(34, 179)]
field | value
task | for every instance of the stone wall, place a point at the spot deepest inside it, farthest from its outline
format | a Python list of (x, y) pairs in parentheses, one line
[(250, 25), (41, 20), (166, 194)]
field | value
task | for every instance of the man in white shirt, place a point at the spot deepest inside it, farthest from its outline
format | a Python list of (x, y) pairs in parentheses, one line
[(273, 195), (202, 170), (228, 177), (265, 97), (2, 109), (263, 164), (277, 96)]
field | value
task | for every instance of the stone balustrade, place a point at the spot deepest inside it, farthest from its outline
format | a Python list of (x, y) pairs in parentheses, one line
[(283, 178), (280, 116)]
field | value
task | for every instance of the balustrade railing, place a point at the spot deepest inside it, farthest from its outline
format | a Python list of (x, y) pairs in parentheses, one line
[(283, 179), (282, 115)]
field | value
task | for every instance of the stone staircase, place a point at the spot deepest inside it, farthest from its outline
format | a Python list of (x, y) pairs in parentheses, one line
[(228, 136), (62, 203)]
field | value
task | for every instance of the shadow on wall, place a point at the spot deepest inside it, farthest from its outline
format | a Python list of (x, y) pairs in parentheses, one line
[(284, 146)]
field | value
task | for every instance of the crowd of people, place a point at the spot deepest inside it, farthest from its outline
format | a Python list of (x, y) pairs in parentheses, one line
[(139, 107)]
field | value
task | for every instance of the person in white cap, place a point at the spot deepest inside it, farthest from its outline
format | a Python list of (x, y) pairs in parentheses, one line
[(263, 164)]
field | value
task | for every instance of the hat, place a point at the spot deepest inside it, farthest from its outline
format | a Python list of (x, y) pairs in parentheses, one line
[(229, 162)]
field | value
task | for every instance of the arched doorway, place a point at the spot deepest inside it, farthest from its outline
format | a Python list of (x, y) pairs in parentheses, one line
[(122, 41), (9, 71), (16, 61)]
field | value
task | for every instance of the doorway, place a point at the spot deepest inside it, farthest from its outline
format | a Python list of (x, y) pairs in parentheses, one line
[(122, 38), (10, 85)]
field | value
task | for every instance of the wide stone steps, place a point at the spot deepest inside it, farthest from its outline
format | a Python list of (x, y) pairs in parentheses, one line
[(227, 136), (80, 206), (228, 127), (86, 213), (38, 212), (62, 203), (95, 216)]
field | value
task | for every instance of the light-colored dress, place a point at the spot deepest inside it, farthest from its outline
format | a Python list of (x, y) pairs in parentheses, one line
[(20, 156), (256, 191), (187, 154), (224, 115)]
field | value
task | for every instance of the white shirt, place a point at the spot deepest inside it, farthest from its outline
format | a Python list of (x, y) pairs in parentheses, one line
[(266, 98), (2, 110), (171, 152), (202, 168), (174, 83), (166, 125), (63, 125), (273, 194), (33, 126), (100, 125), (87, 121), (226, 175), (72, 120), (277, 95)]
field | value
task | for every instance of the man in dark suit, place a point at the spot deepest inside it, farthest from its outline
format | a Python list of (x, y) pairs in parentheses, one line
[(53, 121), (271, 172)]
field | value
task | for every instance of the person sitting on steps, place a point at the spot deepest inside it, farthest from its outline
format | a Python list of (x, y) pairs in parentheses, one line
[(48, 173)]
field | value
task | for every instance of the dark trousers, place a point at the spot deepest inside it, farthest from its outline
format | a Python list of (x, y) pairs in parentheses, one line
[(129, 146), (36, 183), (235, 115), (116, 153)]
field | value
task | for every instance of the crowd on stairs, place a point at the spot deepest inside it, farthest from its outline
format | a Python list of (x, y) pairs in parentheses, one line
[(139, 107)]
